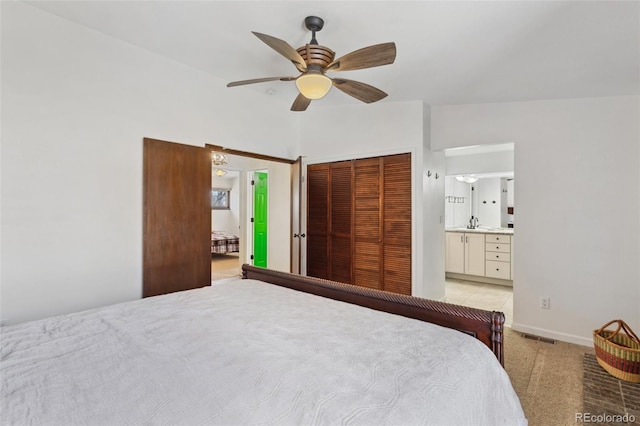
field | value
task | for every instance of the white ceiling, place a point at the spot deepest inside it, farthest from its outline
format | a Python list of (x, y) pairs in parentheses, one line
[(449, 52)]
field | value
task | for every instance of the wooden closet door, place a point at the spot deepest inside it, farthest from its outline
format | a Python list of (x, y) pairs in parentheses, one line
[(341, 218), (396, 237), (177, 217), (318, 220), (367, 256)]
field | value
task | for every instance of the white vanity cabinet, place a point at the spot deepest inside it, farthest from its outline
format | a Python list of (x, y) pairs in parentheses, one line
[(454, 255), (465, 253), (485, 257), (498, 256)]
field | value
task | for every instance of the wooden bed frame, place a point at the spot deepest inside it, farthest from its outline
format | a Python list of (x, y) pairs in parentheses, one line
[(485, 326)]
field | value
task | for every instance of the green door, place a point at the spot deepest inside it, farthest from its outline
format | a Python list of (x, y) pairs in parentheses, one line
[(260, 219)]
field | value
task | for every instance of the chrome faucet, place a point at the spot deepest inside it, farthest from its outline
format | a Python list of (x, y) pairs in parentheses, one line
[(473, 223)]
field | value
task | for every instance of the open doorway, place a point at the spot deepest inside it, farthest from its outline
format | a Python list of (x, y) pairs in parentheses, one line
[(241, 167), (225, 223), (479, 227)]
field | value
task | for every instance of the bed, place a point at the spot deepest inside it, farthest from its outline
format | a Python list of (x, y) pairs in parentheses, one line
[(271, 348), (223, 243)]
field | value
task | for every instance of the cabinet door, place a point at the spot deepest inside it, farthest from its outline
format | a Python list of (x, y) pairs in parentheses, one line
[(454, 256), (474, 254), (500, 270)]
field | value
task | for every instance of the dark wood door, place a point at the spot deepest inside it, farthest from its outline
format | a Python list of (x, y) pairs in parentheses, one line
[(177, 217), (367, 264), (396, 235), (340, 223), (318, 220), (359, 222)]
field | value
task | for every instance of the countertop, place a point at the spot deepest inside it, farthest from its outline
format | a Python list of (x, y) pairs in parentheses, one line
[(482, 230)]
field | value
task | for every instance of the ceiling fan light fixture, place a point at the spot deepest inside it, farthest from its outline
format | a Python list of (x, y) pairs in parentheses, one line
[(313, 84)]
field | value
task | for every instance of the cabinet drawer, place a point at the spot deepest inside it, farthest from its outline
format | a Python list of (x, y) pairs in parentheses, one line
[(502, 248), (500, 270), (496, 238), (498, 256)]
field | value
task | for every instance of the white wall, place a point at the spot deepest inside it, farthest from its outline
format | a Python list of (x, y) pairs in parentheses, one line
[(578, 202), (76, 105), (385, 128), (433, 236), (227, 220), (489, 162)]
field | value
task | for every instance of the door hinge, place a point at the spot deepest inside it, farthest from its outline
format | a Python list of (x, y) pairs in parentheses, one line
[(251, 257), (253, 182), (251, 220)]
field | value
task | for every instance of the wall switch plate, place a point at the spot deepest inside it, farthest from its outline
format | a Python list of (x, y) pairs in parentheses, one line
[(545, 303)]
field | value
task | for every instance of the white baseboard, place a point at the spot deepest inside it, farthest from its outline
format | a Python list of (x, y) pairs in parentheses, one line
[(550, 334)]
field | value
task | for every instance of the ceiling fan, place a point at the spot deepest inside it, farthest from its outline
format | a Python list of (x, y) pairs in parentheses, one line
[(314, 61)]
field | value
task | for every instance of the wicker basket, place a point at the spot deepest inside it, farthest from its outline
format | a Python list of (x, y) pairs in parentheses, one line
[(618, 353)]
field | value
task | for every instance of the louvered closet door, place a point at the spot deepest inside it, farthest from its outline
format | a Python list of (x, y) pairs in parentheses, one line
[(397, 223), (341, 190), (318, 220), (367, 265)]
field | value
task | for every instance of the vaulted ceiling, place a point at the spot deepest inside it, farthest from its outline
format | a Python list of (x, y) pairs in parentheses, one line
[(448, 52)]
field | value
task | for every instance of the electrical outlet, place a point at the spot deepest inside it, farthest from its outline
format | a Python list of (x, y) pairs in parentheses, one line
[(545, 303)]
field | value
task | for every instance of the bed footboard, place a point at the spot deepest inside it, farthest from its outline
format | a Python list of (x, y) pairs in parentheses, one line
[(486, 326)]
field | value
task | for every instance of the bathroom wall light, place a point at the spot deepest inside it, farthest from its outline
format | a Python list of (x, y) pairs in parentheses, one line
[(467, 178)]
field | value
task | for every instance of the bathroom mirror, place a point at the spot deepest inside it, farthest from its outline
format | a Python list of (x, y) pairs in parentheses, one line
[(487, 198)]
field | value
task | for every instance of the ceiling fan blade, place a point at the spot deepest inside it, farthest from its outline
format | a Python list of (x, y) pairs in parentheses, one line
[(367, 57), (358, 90), (301, 103), (259, 80), (283, 48)]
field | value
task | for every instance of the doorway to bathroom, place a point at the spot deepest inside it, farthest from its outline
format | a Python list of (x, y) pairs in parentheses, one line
[(479, 227)]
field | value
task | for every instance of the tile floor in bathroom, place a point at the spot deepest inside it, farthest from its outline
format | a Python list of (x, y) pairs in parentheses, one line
[(490, 297)]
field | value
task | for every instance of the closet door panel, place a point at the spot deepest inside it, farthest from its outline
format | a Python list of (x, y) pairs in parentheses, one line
[(341, 218), (318, 220), (397, 269), (368, 223), (367, 267), (397, 223)]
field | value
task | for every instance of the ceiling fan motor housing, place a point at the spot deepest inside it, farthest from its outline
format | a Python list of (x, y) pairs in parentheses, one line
[(316, 54)]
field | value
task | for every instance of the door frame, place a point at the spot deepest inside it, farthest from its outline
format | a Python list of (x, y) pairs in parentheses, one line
[(246, 207)]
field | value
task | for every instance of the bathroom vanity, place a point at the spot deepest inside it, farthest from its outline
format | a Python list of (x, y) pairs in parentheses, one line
[(480, 254)]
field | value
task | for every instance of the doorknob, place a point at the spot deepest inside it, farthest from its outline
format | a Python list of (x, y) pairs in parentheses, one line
[(302, 235), (295, 235)]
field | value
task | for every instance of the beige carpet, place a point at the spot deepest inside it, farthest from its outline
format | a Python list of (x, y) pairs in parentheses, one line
[(547, 378), (225, 266)]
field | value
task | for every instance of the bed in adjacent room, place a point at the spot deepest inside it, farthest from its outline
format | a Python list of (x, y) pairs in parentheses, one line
[(273, 348), (223, 243)]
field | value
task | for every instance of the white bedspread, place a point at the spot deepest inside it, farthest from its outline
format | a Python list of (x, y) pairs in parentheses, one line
[(246, 352)]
